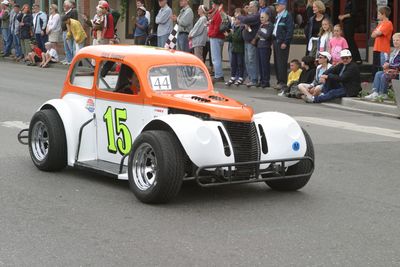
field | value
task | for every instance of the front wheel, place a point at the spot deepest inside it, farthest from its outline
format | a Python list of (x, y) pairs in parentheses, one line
[(47, 142), (303, 166), (156, 167)]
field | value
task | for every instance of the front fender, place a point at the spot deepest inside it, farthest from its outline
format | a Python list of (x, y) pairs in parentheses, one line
[(200, 139), (284, 136), (73, 114)]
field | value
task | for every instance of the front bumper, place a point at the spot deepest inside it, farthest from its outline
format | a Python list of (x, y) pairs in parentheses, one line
[(226, 174)]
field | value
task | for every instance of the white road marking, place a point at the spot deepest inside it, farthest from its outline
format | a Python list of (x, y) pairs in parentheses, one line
[(351, 126), (15, 124)]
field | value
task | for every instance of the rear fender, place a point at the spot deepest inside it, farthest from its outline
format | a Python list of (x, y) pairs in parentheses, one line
[(200, 139), (73, 114), (284, 136)]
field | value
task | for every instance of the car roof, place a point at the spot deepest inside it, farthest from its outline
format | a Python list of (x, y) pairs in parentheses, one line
[(145, 55)]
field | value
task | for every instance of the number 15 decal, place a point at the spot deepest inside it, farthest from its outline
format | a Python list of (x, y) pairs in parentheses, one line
[(124, 143)]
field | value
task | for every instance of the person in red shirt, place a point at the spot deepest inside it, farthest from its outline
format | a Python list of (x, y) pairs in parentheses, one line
[(34, 56), (382, 34), (216, 39)]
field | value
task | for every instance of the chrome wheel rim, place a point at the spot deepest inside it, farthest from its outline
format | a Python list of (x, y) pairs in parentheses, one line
[(40, 140), (144, 167)]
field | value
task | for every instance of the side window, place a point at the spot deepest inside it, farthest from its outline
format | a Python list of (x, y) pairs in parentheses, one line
[(83, 73), (118, 78)]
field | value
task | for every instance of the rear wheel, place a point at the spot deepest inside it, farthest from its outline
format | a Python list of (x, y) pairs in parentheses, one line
[(47, 142), (303, 166), (156, 167)]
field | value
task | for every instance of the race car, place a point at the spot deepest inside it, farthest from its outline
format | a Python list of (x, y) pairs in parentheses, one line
[(151, 116)]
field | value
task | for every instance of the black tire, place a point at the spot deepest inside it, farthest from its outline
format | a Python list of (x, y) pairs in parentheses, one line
[(55, 158), (301, 167), (168, 162)]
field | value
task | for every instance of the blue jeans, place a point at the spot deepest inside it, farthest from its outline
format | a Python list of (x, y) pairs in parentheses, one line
[(330, 92), (41, 40), (183, 42), (380, 84), (264, 57), (250, 60), (17, 45), (68, 47), (216, 45), (161, 40), (237, 65), (7, 42)]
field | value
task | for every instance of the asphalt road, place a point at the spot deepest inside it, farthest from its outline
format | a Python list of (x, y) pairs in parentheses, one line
[(348, 214)]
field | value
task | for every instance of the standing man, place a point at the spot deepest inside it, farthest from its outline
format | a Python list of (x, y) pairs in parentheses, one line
[(164, 21), (39, 26), (5, 27), (216, 39), (185, 25), (140, 4), (251, 24), (69, 12), (14, 27), (282, 36)]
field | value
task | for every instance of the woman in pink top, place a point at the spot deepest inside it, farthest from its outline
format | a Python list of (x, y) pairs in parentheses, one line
[(337, 44)]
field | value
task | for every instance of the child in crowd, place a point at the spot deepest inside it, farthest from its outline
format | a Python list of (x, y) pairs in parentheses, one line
[(337, 44), (98, 24), (293, 77), (198, 35), (237, 54), (264, 42), (382, 34), (325, 35), (307, 75), (34, 56), (50, 56)]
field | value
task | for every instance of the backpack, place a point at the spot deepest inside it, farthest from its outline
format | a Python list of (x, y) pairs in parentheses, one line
[(225, 23), (116, 15)]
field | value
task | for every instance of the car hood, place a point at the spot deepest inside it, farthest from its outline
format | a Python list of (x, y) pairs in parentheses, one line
[(214, 104)]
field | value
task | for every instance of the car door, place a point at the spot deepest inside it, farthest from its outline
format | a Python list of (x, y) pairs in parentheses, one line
[(119, 110)]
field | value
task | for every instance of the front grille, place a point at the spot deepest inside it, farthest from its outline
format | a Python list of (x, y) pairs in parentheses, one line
[(245, 144)]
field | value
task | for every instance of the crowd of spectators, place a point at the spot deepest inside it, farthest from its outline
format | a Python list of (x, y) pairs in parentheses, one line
[(253, 32)]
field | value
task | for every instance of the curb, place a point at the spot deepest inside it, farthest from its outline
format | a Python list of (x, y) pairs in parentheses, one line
[(364, 106)]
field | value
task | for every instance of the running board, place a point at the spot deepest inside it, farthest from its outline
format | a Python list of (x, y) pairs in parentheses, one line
[(103, 167)]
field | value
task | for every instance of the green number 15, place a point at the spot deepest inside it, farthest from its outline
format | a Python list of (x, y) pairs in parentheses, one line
[(123, 143)]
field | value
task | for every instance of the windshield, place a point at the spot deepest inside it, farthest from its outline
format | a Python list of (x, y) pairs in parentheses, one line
[(175, 78)]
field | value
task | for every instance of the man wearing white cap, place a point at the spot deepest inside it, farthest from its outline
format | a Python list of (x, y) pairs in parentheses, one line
[(339, 81)]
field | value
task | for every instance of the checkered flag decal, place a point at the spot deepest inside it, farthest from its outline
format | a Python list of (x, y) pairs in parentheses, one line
[(171, 41)]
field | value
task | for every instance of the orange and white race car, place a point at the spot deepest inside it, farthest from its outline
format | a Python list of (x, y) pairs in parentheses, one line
[(151, 116)]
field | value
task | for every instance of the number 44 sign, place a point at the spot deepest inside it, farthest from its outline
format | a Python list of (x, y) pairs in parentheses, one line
[(161, 83)]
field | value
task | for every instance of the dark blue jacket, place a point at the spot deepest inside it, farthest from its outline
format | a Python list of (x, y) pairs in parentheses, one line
[(26, 30), (284, 33), (254, 22), (264, 35)]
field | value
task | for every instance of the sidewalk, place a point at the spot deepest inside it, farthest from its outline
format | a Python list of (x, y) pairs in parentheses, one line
[(386, 108)]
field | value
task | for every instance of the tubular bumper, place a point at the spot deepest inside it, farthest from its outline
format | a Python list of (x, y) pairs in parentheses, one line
[(226, 174)]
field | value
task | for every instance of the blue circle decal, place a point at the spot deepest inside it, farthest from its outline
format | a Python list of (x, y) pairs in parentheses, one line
[(296, 146)]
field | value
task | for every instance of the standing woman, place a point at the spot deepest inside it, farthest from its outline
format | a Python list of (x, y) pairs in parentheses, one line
[(25, 24), (198, 35), (348, 28), (53, 28), (313, 27)]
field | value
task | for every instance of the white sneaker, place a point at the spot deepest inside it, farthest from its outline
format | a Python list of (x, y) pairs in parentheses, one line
[(372, 96), (282, 93)]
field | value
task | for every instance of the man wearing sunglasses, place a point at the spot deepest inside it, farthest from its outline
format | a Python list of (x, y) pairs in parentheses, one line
[(339, 81)]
